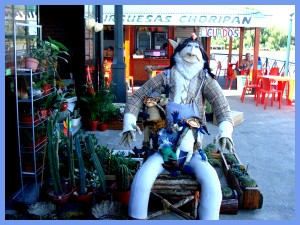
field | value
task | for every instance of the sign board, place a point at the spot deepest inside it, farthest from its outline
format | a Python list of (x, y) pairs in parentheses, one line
[(185, 15), (219, 32)]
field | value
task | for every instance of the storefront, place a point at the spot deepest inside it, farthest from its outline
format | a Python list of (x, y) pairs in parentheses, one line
[(148, 27)]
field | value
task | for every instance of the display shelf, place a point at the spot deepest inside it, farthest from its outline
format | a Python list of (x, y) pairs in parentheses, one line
[(31, 127)]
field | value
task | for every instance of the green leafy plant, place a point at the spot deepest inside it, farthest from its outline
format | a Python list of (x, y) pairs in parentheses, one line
[(100, 105)]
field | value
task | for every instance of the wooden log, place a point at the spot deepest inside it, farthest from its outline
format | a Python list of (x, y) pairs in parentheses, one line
[(187, 182), (230, 205), (169, 177), (195, 204), (174, 187), (173, 192)]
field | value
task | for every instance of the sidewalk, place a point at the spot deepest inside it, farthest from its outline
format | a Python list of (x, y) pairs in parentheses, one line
[(265, 141)]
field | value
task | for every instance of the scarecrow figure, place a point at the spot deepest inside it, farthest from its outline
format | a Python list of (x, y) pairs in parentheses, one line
[(187, 83)]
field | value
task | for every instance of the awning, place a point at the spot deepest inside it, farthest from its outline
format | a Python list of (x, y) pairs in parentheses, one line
[(188, 15)]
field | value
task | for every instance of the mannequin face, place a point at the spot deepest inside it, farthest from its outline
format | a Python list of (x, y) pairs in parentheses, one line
[(191, 53)]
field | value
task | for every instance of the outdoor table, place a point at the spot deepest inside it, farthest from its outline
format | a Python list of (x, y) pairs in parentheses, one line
[(282, 81)]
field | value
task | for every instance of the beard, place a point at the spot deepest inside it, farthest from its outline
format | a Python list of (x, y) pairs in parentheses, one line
[(188, 70)]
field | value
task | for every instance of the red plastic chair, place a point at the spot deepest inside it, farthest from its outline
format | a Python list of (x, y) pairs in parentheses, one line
[(249, 87), (266, 90), (231, 75), (274, 71)]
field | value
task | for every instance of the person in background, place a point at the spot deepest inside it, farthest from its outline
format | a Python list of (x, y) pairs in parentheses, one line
[(246, 63), (259, 63), (110, 48)]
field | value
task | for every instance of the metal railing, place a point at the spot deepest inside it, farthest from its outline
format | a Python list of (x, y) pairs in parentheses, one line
[(267, 62)]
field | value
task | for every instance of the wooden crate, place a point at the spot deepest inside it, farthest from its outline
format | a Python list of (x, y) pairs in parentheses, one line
[(238, 117), (186, 188), (249, 197)]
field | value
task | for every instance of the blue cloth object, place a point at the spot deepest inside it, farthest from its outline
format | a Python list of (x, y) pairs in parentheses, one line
[(187, 170), (174, 173), (202, 154)]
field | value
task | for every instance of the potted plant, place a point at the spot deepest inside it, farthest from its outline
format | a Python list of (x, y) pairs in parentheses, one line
[(76, 118), (37, 55), (107, 109), (46, 82), (61, 101), (83, 193), (123, 182), (58, 192), (46, 53), (101, 191), (91, 104)]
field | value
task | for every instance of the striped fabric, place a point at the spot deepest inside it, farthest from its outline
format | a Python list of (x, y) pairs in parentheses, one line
[(211, 91)]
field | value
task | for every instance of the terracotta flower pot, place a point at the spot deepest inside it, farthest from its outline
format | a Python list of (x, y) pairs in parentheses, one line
[(122, 196), (46, 88), (99, 197), (102, 126), (90, 90), (44, 113), (93, 124), (27, 120), (60, 199), (87, 198), (31, 63), (64, 106)]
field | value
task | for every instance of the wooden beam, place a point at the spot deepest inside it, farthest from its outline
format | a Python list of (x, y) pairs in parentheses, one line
[(230, 51), (241, 48), (256, 52)]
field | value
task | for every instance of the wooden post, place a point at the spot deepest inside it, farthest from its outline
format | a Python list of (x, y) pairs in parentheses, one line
[(255, 55), (242, 34)]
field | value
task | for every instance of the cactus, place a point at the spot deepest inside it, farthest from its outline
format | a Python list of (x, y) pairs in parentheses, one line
[(247, 181), (97, 164), (227, 192), (70, 153), (123, 178), (83, 189), (230, 158), (53, 146)]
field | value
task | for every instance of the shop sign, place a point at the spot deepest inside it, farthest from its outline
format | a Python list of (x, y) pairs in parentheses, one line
[(219, 32), (185, 20)]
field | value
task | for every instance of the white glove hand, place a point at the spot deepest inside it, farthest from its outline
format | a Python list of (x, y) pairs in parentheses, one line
[(129, 130), (224, 138)]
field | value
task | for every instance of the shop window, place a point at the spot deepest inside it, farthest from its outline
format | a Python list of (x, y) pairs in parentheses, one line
[(25, 37)]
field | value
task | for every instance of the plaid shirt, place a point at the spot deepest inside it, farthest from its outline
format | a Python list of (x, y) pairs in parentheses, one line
[(211, 91)]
